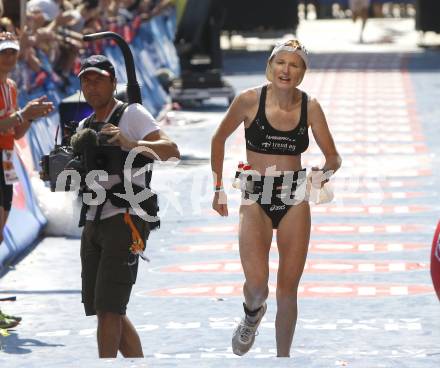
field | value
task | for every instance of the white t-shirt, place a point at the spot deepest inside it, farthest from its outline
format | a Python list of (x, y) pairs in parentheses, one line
[(136, 123)]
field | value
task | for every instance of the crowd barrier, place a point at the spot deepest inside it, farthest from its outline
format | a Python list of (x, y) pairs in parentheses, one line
[(152, 46)]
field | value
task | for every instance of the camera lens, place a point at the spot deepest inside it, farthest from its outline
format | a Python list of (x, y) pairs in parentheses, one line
[(103, 139)]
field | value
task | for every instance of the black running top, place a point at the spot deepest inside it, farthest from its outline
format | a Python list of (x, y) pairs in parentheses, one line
[(264, 138)]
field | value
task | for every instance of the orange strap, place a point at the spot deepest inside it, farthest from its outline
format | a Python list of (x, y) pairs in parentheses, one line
[(137, 246)]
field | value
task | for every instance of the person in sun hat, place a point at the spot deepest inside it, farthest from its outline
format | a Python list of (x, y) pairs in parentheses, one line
[(14, 123), (48, 9), (276, 118)]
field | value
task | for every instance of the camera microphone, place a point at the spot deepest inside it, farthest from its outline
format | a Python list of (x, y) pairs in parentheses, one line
[(84, 138), (97, 126)]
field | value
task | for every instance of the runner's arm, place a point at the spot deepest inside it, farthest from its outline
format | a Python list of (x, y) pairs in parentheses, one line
[(236, 114), (323, 136)]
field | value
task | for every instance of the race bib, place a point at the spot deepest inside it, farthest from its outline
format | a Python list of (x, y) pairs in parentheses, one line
[(8, 167)]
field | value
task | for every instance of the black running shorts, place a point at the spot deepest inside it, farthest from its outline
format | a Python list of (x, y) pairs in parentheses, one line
[(6, 190)]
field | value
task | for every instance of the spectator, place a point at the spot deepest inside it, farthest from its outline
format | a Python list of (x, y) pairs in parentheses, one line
[(377, 6), (6, 24), (46, 9), (13, 125), (13, 122), (40, 15), (359, 9)]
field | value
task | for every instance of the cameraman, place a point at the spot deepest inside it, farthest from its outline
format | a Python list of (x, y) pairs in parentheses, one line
[(13, 122), (107, 274)]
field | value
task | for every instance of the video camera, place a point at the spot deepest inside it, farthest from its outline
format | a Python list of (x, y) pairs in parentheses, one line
[(83, 152), (94, 151), (53, 164)]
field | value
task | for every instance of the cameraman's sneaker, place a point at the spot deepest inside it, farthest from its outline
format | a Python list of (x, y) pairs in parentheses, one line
[(244, 335)]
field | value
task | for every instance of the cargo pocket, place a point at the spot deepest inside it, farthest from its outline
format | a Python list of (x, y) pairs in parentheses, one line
[(117, 270)]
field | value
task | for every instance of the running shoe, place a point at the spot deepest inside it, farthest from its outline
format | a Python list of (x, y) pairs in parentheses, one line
[(8, 316), (244, 335), (6, 323)]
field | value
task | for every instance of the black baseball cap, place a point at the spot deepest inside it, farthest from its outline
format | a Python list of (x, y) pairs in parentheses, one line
[(99, 64)]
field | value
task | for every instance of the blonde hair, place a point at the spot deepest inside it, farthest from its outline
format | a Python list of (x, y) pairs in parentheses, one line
[(294, 46)]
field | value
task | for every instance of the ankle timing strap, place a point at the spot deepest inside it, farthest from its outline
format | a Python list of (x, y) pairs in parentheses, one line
[(249, 312)]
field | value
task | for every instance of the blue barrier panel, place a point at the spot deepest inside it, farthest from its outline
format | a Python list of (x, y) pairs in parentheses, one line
[(153, 35), (17, 237), (41, 137), (152, 90), (164, 45), (115, 56), (147, 86), (170, 20)]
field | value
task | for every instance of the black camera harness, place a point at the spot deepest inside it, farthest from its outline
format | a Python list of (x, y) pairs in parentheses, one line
[(150, 204)]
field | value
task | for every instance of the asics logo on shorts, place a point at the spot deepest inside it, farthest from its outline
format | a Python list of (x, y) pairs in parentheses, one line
[(277, 208)]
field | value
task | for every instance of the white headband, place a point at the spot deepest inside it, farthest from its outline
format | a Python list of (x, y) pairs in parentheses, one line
[(297, 50)]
